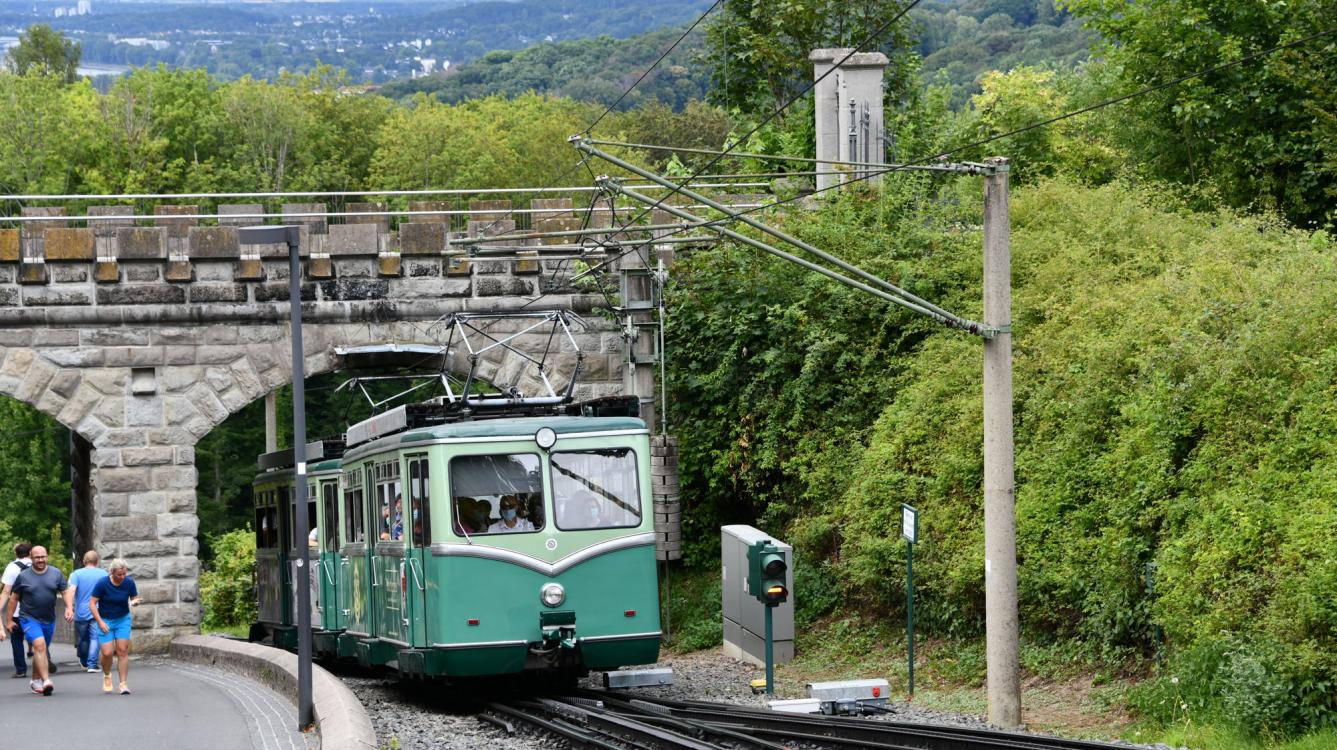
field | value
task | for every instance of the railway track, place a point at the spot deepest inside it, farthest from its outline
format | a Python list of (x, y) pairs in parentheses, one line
[(598, 719)]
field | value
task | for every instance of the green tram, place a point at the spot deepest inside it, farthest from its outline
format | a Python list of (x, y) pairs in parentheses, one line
[(277, 547), (491, 544)]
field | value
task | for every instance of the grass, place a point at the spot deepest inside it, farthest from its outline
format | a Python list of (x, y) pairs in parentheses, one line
[(1068, 688), (237, 631)]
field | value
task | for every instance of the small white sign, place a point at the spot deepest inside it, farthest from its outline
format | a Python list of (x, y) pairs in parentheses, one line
[(909, 523)]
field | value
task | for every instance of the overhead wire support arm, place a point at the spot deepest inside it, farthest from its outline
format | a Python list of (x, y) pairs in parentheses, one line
[(884, 290), (952, 168), (951, 321)]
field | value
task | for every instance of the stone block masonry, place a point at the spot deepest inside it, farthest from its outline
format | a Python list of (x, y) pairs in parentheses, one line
[(143, 333)]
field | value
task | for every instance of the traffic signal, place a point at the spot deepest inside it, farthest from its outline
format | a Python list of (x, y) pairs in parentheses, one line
[(766, 568)]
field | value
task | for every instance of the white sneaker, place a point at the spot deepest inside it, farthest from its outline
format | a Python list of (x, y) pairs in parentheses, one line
[(35, 686)]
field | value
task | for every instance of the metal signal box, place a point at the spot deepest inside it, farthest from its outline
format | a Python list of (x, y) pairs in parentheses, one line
[(743, 612)]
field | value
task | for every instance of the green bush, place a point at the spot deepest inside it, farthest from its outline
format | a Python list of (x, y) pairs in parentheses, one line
[(690, 612), (226, 589)]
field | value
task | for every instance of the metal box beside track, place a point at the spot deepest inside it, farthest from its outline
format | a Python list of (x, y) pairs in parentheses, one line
[(744, 616)]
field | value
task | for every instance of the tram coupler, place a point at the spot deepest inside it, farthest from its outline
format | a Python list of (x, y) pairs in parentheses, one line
[(559, 630)]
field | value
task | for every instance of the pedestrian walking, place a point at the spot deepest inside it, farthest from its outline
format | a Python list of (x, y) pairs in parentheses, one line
[(82, 581), (37, 588), (113, 597), (20, 563)]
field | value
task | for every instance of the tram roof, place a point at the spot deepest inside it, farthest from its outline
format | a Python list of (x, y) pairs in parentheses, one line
[(521, 427)]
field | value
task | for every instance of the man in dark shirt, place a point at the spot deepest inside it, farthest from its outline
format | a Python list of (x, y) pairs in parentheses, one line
[(37, 587)]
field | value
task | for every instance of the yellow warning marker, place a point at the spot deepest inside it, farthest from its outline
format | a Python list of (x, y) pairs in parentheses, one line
[(758, 686)]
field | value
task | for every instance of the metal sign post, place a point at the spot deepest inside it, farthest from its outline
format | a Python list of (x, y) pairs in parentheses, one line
[(910, 530), (291, 235)]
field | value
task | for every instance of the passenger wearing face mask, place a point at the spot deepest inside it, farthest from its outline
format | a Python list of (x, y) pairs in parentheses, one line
[(510, 517)]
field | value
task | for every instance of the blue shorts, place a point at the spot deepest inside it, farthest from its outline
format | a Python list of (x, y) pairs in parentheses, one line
[(33, 630), (118, 629)]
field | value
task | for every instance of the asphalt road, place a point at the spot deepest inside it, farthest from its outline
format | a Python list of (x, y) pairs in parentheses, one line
[(173, 706)]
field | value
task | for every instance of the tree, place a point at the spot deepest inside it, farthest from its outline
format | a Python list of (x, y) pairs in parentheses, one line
[(34, 492), (759, 51), (46, 51), (1261, 133)]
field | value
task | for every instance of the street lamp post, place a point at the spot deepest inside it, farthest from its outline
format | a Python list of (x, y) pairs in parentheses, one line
[(291, 235)]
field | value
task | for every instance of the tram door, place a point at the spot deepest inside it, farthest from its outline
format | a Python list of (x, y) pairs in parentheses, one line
[(328, 539), (418, 533), (388, 569), (354, 575)]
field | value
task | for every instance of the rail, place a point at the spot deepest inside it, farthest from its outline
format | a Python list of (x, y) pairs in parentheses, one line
[(600, 719)]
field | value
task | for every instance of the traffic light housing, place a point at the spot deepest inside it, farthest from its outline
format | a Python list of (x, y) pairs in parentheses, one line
[(766, 568)]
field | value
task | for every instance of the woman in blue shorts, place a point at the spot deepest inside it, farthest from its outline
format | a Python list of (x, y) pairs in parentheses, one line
[(112, 599)]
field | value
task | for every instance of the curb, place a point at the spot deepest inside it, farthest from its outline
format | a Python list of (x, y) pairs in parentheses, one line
[(341, 721)]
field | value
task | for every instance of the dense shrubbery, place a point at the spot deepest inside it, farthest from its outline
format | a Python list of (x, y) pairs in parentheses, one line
[(227, 597), (1174, 381)]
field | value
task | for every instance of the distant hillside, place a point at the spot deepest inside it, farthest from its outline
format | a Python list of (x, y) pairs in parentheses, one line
[(959, 41), (595, 70), (374, 41), (964, 40)]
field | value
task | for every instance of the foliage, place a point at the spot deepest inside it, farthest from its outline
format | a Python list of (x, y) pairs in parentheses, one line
[(1259, 134), (50, 131), (44, 51), (595, 70), (492, 142), (962, 42), (690, 610), (1173, 380), (758, 52), (226, 594), (34, 489)]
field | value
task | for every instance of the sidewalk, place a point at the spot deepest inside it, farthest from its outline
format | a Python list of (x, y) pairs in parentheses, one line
[(174, 705)]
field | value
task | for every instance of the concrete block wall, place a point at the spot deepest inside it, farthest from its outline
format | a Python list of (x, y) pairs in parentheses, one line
[(668, 506)]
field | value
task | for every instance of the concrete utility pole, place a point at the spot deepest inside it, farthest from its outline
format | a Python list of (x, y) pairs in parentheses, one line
[(1001, 622), (271, 422)]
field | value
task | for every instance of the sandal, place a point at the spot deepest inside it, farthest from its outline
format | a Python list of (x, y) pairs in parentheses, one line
[(125, 689), (106, 682)]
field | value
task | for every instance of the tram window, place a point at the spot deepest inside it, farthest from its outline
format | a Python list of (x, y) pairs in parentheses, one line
[(328, 536), (596, 489), (419, 502), (389, 502), (285, 511), (266, 527), (353, 519), (496, 494)]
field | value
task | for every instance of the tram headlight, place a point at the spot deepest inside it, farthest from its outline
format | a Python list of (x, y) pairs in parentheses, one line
[(552, 594), (545, 437)]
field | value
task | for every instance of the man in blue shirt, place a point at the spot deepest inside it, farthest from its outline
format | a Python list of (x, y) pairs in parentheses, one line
[(82, 581), (37, 588)]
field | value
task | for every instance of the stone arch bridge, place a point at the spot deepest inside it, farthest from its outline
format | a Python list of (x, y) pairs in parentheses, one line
[(142, 333)]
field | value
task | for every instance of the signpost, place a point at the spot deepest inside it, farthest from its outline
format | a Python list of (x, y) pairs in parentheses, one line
[(910, 530)]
